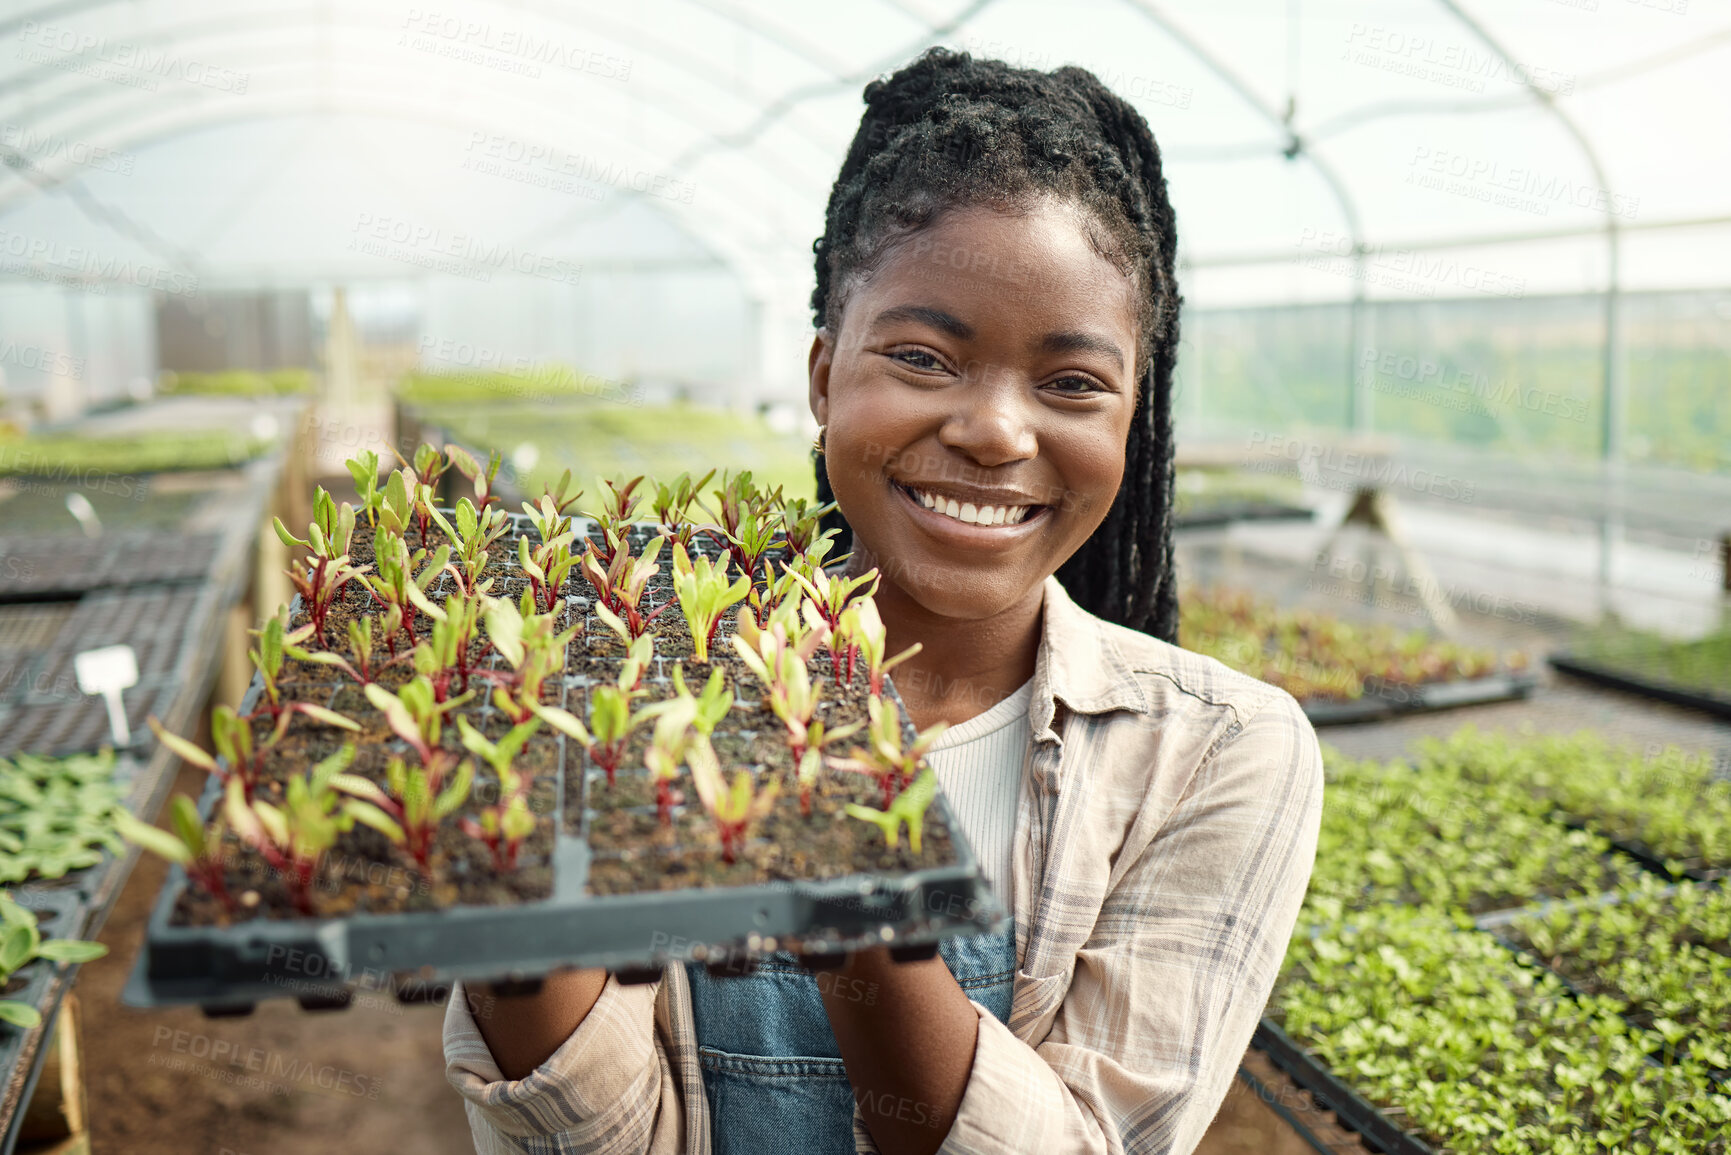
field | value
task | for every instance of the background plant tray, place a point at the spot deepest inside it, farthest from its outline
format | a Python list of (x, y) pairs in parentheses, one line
[(1351, 1108), (1215, 514), (59, 913), (42, 709), (1634, 682), (1389, 701), (227, 968), (35, 565)]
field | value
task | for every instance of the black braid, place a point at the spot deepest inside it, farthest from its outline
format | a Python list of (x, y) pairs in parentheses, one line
[(950, 130)]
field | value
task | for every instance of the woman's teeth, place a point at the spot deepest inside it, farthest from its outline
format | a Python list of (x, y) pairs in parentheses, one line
[(970, 513)]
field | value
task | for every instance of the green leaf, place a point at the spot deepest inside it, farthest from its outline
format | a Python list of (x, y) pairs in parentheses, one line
[(17, 947), (70, 950), (328, 717), (159, 842), (19, 1014), (288, 538), (184, 750)]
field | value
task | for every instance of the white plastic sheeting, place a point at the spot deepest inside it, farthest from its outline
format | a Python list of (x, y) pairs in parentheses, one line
[(567, 155)]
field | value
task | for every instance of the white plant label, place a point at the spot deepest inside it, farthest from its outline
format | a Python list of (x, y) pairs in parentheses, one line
[(108, 671)]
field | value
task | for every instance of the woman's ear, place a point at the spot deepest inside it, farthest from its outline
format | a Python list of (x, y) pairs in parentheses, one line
[(817, 367)]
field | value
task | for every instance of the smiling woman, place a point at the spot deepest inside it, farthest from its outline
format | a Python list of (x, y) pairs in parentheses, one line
[(997, 321)]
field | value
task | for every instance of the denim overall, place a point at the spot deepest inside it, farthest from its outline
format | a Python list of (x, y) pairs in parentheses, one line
[(771, 1067)]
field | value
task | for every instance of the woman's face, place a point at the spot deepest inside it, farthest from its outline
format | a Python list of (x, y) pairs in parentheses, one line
[(984, 374)]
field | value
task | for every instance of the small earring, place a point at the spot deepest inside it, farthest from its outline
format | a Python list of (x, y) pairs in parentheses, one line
[(817, 442)]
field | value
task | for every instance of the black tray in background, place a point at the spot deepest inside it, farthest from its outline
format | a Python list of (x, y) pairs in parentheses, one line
[(59, 913), (1395, 701), (1354, 1111), (1633, 683), (227, 969)]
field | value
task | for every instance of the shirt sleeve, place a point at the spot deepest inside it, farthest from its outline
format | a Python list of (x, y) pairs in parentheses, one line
[(609, 1088), (1169, 986)]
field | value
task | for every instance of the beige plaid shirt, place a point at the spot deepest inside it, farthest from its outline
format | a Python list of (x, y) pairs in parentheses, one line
[(1163, 842)]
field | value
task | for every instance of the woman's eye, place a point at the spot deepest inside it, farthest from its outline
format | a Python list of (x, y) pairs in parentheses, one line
[(1076, 386), (917, 359)]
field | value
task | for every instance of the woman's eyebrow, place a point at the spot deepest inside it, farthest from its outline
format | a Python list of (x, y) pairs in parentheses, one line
[(1070, 341), (926, 315)]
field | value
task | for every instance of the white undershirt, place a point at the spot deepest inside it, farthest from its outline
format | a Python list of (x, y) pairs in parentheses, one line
[(979, 764)]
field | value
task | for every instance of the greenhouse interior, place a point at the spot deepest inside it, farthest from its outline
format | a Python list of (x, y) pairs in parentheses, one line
[(566, 574)]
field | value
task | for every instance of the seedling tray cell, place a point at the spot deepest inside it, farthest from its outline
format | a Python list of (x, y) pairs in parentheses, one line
[(1352, 1109), (1633, 682)]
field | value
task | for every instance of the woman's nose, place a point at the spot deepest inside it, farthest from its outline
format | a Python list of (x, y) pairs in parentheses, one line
[(992, 422)]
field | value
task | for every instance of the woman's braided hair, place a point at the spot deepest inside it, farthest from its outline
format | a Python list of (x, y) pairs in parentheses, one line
[(949, 131)]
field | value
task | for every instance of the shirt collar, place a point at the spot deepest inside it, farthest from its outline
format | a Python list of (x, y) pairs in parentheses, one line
[(1079, 664)]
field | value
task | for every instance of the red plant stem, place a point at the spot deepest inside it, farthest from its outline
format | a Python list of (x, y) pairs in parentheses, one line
[(664, 801), (607, 755), (805, 801), (888, 784), (209, 875)]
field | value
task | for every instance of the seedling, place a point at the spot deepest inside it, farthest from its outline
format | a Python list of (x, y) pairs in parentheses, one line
[(504, 824), (188, 843), (416, 715), (550, 563), (668, 746), (619, 589), (364, 468), (327, 540), (274, 642), (909, 807), (862, 629), (231, 734), (562, 503), (611, 722), (734, 811), (294, 838), (360, 646), (474, 534), (748, 521), (617, 510), (810, 761), (445, 653), (397, 587), (56, 814), (428, 466), (884, 757), (530, 645), (672, 505), (20, 944), (801, 523), (410, 812), (704, 595), (777, 657), (480, 478)]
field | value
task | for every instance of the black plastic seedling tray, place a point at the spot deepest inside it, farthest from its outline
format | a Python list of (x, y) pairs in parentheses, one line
[(41, 566), (226, 969), (1385, 702), (1606, 674), (59, 914), (1354, 1111)]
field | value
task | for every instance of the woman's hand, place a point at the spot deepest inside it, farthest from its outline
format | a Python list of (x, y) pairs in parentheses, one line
[(907, 1034)]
